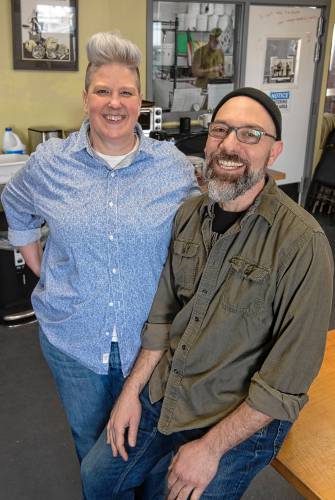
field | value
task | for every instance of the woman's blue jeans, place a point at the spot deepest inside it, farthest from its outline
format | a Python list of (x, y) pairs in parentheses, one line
[(88, 399), (105, 477)]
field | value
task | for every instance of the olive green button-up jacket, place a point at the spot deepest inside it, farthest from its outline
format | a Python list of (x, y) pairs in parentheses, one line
[(245, 320)]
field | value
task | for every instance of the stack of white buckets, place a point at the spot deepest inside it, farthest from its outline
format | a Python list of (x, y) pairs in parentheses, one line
[(199, 17), (205, 17)]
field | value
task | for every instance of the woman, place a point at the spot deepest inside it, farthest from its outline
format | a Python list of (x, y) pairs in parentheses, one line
[(108, 195)]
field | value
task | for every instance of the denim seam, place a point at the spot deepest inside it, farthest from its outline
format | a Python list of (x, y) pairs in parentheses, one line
[(276, 443), (134, 461), (247, 468)]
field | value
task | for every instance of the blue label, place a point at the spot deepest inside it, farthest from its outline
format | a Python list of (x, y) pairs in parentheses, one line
[(280, 95), (11, 152)]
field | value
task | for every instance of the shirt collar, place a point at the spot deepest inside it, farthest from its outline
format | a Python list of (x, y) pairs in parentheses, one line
[(83, 141), (265, 204)]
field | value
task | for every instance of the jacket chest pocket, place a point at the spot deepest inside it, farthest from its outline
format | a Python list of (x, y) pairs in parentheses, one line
[(185, 262), (245, 287)]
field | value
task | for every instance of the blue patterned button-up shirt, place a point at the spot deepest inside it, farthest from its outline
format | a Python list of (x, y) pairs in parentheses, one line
[(109, 231)]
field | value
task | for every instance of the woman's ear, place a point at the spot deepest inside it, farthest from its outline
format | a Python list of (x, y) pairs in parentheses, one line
[(84, 94)]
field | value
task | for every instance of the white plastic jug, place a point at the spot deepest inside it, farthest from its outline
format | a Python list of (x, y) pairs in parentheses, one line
[(11, 143)]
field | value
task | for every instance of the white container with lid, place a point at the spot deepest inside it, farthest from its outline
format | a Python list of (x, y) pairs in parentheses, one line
[(212, 22), (193, 8), (191, 21), (11, 143), (219, 9), (181, 21), (202, 22), (10, 164)]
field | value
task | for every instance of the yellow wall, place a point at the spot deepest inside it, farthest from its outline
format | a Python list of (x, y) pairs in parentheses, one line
[(317, 150), (44, 98)]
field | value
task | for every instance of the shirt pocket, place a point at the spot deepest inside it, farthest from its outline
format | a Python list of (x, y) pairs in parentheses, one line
[(184, 263), (245, 287)]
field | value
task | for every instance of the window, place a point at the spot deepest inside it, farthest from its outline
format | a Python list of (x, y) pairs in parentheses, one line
[(193, 49)]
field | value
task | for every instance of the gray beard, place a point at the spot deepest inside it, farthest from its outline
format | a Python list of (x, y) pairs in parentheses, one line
[(223, 190)]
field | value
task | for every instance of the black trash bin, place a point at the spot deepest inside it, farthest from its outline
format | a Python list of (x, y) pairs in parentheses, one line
[(17, 282)]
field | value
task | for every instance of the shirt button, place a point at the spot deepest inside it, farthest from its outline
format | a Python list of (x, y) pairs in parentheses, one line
[(204, 292), (111, 237), (196, 318), (111, 304), (111, 204), (114, 270), (112, 174), (107, 333)]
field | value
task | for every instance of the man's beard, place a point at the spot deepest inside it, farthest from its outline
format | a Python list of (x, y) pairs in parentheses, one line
[(225, 186)]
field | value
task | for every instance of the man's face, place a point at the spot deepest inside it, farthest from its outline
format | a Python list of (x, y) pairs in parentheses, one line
[(233, 167), (112, 103), (213, 42)]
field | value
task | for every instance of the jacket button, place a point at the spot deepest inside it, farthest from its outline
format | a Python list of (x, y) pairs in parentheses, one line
[(183, 347), (196, 318)]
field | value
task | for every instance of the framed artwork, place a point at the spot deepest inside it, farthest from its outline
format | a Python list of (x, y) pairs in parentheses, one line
[(281, 61), (45, 35)]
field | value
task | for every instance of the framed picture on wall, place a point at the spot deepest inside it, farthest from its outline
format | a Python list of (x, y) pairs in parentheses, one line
[(45, 35)]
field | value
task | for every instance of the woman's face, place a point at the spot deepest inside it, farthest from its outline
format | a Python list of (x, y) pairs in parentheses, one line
[(113, 104)]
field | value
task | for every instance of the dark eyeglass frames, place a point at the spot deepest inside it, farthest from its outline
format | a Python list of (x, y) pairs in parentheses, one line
[(248, 135)]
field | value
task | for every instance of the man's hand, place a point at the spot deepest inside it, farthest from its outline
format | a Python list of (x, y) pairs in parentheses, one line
[(219, 68), (191, 470), (126, 414)]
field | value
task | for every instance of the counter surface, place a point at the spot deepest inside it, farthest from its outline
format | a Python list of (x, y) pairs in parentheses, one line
[(307, 458)]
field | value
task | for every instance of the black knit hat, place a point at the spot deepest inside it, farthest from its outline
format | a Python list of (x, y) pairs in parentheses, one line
[(259, 96)]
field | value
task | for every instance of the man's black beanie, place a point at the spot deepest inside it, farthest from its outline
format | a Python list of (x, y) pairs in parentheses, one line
[(260, 97)]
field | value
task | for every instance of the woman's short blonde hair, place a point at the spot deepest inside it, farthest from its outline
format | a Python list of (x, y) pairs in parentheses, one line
[(110, 47)]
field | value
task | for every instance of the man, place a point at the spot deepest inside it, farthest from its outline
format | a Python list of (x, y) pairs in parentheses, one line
[(208, 60), (237, 329)]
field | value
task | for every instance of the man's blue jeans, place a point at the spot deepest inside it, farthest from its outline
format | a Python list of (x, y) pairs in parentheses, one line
[(88, 399), (105, 477)]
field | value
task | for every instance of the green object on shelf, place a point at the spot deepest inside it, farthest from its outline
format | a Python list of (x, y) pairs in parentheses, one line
[(182, 38)]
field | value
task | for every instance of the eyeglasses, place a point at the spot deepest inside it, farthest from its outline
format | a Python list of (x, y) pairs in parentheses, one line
[(248, 135)]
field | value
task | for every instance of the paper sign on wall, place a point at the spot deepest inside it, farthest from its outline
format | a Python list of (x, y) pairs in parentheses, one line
[(282, 99)]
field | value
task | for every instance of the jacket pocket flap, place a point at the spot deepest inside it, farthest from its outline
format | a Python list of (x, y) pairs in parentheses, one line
[(185, 248), (248, 270)]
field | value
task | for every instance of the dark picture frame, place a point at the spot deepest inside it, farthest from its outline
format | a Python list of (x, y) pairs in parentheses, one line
[(45, 37)]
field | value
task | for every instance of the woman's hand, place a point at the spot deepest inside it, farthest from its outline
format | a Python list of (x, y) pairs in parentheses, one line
[(32, 254)]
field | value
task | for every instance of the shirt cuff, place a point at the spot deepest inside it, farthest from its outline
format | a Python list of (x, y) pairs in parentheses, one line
[(155, 336), (274, 403), (21, 238)]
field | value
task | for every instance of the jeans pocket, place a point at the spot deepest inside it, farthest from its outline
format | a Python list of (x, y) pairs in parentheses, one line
[(150, 411)]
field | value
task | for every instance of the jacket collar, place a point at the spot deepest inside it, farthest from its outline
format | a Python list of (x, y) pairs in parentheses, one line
[(265, 204)]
